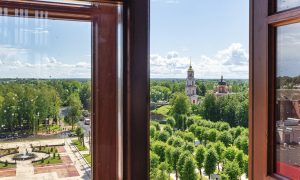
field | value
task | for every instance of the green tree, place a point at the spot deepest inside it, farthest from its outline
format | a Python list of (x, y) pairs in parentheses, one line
[(202, 89), (241, 142), (180, 108), (10, 110), (212, 135), (200, 157), (85, 95), (159, 93), (173, 159), (231, 168), (75, 108), (154, 160), (165, 167), (159, 148), (220, 148), (240, 160), (230, 153), (171, 121), (163, 136), (225, 137), (80, 134), (245, 170), (242, 113), (200, 133), (189, 147), (152, 131), (189, 137), (188, 170), (181, 161), (210, 162), (224, 177), (178, 142), (209, 108), (189, 122), (168, 129)]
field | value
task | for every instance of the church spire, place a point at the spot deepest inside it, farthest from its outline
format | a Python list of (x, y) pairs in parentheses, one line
[(190, 68)]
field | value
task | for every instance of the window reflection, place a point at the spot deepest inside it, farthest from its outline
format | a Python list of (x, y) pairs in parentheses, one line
[(288, 101), (287, 4), (45, 96)]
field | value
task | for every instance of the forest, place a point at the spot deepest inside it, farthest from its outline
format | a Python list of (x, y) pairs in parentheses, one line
[(186, 141), (196, 141), (29, 106), (286, 82)]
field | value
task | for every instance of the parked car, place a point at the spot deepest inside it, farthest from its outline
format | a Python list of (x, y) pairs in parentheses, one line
[(72, 135), (87, 121)]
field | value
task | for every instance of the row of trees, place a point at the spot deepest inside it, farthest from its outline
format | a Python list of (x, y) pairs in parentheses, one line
[(25, 105), (162, 90), (232, 108), (204, 146), (286, 82)]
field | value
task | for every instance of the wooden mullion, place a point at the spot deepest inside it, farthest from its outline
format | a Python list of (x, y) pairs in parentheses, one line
[(105, 101), (259, 88), (285, 17), (136, 90)]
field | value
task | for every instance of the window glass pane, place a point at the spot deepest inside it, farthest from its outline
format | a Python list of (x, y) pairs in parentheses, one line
[(199, 89), (287, 4), (45, 96), (288, 101)]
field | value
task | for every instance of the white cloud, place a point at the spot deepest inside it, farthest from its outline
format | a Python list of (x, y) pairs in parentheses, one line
[(231, 62), (46, 67)]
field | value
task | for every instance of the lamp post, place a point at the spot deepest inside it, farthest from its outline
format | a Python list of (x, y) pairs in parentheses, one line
[(47, 124)]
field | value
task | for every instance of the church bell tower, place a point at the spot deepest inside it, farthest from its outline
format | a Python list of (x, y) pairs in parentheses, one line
[(191, 88)]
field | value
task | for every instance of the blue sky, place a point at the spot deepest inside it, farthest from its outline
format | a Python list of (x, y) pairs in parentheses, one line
[(288, 46), (40, 48), (213, 33)]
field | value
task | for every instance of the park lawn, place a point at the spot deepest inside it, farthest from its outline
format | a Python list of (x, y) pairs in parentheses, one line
[(88, 158), (7, 151), (164, 110), (2, 165), (79, 145), (50, 160), (45, 149), (3, 152)]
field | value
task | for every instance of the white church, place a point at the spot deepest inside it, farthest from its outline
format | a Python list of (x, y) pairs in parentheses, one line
[(191, 88)]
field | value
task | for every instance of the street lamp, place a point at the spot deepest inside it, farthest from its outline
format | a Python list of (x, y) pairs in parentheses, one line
[(47, 124)]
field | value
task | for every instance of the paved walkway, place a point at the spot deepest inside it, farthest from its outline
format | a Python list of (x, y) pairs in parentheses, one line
[(74, 166)]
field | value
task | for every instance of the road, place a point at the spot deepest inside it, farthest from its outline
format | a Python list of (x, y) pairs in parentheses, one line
[(86, 128)]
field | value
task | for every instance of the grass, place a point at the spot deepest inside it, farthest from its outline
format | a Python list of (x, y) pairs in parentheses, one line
[(45, 149), (164, 110), (7, 151), (50, 160), (88, 158), (79, 145), (2, 165)]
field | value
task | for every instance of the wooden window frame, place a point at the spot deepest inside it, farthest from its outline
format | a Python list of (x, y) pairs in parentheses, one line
[(263, 22), (108, 152)]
